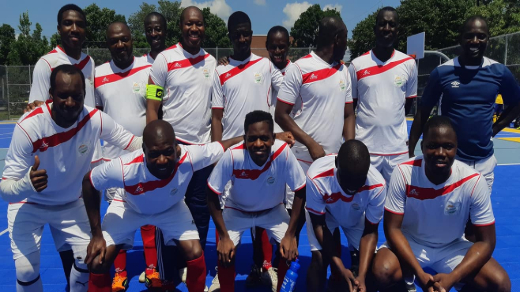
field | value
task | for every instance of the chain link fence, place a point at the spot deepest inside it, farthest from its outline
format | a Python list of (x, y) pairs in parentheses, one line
[(15, 81)]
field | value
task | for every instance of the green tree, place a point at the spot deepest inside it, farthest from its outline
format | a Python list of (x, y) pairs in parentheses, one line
[(7, 37), (98, 19), (305, 31), (363, 38), (216, 31), (503, 16), (27, 48)]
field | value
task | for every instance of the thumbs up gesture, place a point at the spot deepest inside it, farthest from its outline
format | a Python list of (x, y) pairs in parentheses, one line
[(38, 177)]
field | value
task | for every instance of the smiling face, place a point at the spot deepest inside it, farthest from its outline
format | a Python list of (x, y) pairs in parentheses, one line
[(386, 29), (120, 45), (67, 97), (278, 47), (193, 29), (439, 148), (258, 140), (161, 155), (474, 40), (72, 29), (155, 32)]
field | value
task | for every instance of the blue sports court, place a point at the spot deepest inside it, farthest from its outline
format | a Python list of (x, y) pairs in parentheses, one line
[(505, 205)]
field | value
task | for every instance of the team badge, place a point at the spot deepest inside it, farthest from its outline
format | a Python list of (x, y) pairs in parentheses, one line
[(356, 207), (136, 87), (342, 84), (398, 81), (82, 149), (173, 192), (270, 180), (451, 208), (205, 72), (258, 78)]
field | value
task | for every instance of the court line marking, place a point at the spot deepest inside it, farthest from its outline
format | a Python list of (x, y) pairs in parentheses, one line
[(4, 232), (505, 164)]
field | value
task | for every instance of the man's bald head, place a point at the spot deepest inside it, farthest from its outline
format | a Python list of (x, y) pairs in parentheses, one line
[(157, 132), (189, 9), (117, 26), (329, 27)]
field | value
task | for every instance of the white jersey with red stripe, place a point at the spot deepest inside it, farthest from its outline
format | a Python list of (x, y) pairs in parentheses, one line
[(242, 87), (325, 195), (436, 215), (145, 193), (187, 80), (41, 80), (318, 91), (381, 89), (256, 188), (64, 153), (122, 95)]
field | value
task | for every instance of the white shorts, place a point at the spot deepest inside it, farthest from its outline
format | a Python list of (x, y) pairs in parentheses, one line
[(275, 221), (385, 163), (69, 226), (485, 166), (289, 194), (121, 222), (353, 234), (111, 193)]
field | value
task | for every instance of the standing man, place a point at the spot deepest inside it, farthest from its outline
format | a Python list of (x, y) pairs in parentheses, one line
[(120, 89), (155, 32), (469, 85), (51, 149), (384, 85)]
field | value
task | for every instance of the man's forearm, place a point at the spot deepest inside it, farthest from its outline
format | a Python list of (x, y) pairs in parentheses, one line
[(92, 200), (402, 250), (349, 127), (288, 124), (326, 240), (509, 114), (151, 113), (419, 121), (297, 212), (476, 257), (216, 213), (367, 248), (216, 129)]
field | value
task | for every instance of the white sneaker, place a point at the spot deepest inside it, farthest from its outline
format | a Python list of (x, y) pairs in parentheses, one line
[(270, 278), (183, 273), (215, 284), (142, 277)]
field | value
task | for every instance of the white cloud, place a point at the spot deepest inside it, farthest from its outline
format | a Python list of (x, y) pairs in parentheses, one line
[(260, 2), (293, 11), (218, 7), (331, 7)]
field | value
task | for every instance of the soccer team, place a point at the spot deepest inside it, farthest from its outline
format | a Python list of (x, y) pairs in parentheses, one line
[(188, 137)]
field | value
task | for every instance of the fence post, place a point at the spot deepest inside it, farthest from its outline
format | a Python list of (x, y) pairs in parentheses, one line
[(7, 87), (505, 58), (216, 54), (29, 76)]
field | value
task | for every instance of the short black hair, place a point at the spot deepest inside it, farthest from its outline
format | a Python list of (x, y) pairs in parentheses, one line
[(256, 117), (471, 19), (437, 122), (68, 7), (181, 18), (66, 69), (328, 28), (237, 18), (353, 158), (277, 29), (156, 14), (385, 9)]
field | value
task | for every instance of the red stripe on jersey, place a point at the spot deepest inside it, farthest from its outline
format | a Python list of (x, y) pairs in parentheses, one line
[(138, 159), (241, 146), (253, 174), (430, 193), (320, 74), (102, 80), (334, 197), (329, 172), (366, 53), (149, 186), (44, 143), (81, 64), (52, 52), (415, 162), (374, 70), (171, 48), (186, 62), (306, 57), (33, 113), (368, 188), (237, 70)]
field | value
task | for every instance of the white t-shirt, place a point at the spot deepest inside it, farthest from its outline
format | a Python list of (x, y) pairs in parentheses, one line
[(41, 80), (318, 91), (256, 188), (436, 215), (187, 81), (325, 195), (64, 153), (381, 89), (145, 193), (122, 95), (242, 87)]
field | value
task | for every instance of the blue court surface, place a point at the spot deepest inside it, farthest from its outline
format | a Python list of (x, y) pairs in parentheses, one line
[(505, 205)]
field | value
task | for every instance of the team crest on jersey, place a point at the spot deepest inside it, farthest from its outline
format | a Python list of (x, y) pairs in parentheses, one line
[(270, 180), (342, 84), (205, 72), (452, 208), (258, 78), (356, 207), (398, 81), (82, 149), (173, 192)]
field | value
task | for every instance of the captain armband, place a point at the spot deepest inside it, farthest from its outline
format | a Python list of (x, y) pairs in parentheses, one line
[(154, 92)]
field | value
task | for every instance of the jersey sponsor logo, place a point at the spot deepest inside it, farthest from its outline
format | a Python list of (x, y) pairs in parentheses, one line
[(258, 77), (177, 65), (414, 192), (82, 149), (139, 189), (398, 81), (313, 77), (342, 84), (452, 208), (270, 180), (44, 146), (366, 73), (105, 80), (455, 84), (356, 207)]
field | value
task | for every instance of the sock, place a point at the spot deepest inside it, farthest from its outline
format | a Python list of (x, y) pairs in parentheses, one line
[(35, 286), (100, 283), (226, 277), (267, 250), (79, 277), (120, 263), (150, 250), (196, 274), (283, 266)]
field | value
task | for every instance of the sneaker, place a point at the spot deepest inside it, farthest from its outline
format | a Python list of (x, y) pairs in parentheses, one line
[(153, 280), (183, 273), (142, 277), (120, 283), (410, 287), (253, 279), (269, 278), (215, 284)]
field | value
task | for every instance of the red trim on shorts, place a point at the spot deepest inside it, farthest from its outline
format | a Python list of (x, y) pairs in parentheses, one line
[(485, 224), (349, 102), (213, 190), (217, 107), (224, 77), (420, 193), (393, 212), (30, 203), (253, 174), (300, 187), (117, 200)]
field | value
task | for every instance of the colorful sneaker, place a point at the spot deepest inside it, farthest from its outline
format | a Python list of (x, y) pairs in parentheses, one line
[(254, 277), (152, 279), (119, 283), (215, 284)]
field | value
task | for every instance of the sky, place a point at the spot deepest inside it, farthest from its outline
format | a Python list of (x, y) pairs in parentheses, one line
[(263, 13)]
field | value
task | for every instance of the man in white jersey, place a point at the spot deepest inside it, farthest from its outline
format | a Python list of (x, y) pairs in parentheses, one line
[(58, 138), (155, 33), (345, 191), (259, 169), (429, 201), (120, 89), (155, 180), (384, 85)]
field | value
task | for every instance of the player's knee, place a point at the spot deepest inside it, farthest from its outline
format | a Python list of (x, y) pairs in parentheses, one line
[(28, 269), (99, 268), (384, 270), (501, 282), (317, 261), (194, 252)]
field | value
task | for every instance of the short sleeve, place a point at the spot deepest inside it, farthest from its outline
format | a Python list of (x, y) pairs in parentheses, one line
[(411, 84), (376, 205), (315, 203), (217, 96), (481, 212), (204, 155), (41, 81), (396, 194), (433, 91), (291, 85), (353, 80), (294, 175), (114, 133), (509, 88), (19, 156), (348, 89), (107, 175), (159, 71), (221, 174)]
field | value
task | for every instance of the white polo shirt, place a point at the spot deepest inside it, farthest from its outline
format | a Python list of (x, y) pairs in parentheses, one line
[(381, 89), (436, 215), (256, 188)]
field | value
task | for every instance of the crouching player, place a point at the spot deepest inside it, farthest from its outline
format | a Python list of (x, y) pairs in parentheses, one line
[(345, 191), (430, 199), (258, 168)]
